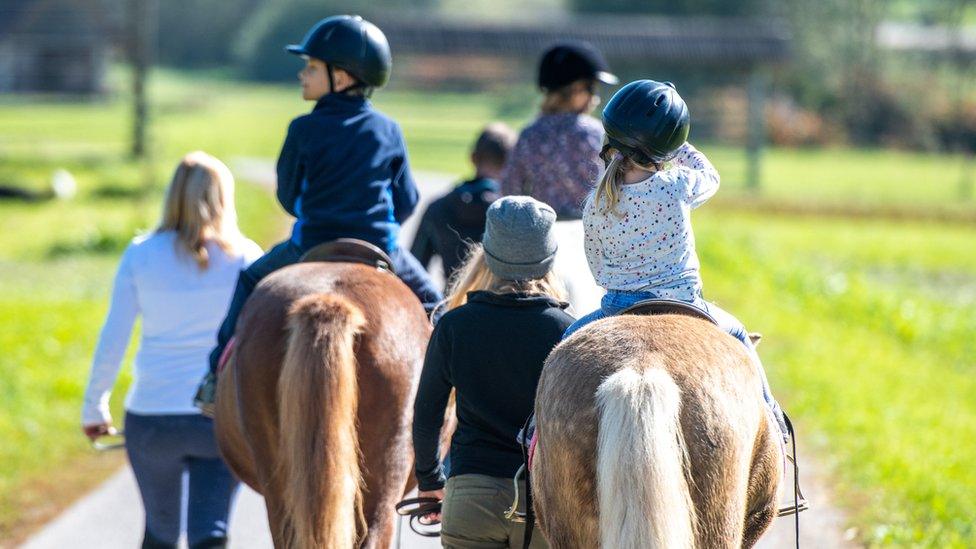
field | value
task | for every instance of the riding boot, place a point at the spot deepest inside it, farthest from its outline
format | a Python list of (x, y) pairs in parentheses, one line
[(206, 396), (150, 542), (210, 543)]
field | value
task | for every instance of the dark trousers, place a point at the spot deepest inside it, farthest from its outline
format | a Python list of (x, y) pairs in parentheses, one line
[(161, 449), (410, 271)]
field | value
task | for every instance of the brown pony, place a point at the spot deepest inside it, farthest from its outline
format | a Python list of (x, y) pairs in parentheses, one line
[(315, 405), (653, 433)]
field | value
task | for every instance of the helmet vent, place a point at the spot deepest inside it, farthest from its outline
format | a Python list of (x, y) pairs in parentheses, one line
[(659, 100)]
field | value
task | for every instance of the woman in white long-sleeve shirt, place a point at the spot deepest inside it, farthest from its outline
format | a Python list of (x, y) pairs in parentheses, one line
[(179, 278)]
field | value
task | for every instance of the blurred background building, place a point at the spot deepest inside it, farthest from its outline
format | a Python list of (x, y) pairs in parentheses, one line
[(55, 46)]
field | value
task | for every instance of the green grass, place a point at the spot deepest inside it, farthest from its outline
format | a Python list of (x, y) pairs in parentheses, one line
[(869, 344), (869, 324)]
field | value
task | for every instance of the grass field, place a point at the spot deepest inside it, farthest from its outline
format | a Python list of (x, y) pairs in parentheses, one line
[(869, 324)]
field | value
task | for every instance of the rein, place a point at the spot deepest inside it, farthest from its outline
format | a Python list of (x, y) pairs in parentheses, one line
[(417, 509), (115, 441), (799, 502)]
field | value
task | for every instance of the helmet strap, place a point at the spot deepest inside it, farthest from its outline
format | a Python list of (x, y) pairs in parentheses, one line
[(331, 75), (358, 85)]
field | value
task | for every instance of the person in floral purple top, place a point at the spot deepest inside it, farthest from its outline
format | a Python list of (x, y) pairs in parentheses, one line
[(557, 156)]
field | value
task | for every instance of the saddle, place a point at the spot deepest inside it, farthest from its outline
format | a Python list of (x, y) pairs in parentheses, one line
[(667, 307), (350, 250)]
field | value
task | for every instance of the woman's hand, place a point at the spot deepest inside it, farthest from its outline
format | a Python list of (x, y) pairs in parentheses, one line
[(96, 430), (431, 518)]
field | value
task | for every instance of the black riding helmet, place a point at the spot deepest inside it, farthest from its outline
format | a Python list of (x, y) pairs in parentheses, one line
[(647, 121), (351, 43), (566, 62)]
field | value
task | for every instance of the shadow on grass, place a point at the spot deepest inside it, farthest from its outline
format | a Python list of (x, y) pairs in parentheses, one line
[(96, 243), (121, 192)]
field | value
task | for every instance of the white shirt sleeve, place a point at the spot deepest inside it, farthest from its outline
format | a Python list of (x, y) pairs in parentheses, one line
[(252, 252), (112, 344), (702, 179)]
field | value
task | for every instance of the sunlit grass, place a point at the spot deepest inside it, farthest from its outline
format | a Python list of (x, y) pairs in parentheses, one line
[(869, 324)]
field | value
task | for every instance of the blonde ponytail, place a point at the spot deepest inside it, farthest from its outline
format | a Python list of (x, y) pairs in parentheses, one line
[(608, 190)]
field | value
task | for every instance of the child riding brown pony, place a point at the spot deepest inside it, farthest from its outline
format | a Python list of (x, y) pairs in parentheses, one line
[(652, 432), (315, 404)]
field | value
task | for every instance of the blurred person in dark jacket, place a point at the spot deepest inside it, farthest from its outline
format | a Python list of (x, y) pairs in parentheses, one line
[(455, 221)]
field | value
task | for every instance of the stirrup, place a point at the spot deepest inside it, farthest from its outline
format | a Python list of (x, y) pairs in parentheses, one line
[(513, 514), (800, 504), (793, 508), (205, 399)]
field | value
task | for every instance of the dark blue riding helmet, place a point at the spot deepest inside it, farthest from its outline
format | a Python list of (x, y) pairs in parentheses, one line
[(351, 43), (647, 121)]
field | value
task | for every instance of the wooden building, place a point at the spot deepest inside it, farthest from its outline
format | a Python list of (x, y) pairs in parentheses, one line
[(54, 46)]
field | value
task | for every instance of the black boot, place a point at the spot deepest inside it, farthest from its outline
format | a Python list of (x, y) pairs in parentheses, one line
[(207, 395)]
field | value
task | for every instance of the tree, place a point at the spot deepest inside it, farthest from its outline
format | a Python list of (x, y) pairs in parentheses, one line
[(259, 47), (716, 8)]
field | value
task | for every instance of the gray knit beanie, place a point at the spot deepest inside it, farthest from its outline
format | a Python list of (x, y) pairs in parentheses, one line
[(519, 242)]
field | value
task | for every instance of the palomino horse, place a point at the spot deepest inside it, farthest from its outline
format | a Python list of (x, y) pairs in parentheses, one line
[(314, 408), (652, 433)]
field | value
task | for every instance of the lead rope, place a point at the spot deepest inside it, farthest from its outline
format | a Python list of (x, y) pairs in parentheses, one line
[(529, 513), (796, 480)]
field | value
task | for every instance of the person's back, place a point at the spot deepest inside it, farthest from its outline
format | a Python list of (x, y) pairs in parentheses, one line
[(181, 307), (556, 159), (343, 173), (504, 339), (455, 221)]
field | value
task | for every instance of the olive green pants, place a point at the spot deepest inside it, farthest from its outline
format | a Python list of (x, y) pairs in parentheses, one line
[(474, 515)]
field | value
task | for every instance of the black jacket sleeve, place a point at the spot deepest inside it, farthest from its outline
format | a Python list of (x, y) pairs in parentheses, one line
[(423, 242), (290, 170), (428, 410)]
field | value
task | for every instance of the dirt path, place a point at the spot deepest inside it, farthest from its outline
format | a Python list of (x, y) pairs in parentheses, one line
[(111, 516)]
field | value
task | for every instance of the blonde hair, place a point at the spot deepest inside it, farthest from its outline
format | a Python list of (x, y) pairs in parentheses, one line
[(608, 190), (561, 99), (199, 207), (475, 276)]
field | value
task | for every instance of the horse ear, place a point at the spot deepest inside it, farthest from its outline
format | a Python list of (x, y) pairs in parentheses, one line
[(755, 338)]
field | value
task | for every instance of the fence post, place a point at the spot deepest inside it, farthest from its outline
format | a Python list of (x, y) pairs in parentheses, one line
[(757, 87), (141, 26)]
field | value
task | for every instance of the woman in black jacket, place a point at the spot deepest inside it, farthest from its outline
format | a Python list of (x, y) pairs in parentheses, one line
[(504, 316)]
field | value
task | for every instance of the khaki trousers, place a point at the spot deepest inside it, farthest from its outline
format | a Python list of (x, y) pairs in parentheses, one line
[(474, 515)]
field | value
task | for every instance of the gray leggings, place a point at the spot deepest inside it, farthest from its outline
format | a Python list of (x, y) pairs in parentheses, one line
[(162, 448)]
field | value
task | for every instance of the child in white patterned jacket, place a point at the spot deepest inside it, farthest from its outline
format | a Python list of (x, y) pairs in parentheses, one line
[(638, 236)]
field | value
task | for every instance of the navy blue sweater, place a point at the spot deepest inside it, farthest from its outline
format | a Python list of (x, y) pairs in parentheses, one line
[(343, 172), (491, 350)]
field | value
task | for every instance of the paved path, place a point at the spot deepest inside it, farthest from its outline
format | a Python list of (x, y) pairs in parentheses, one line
[(111, 516)]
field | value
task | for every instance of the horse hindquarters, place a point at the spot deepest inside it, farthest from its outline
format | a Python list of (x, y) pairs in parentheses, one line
[(318, 391), (644, 499)]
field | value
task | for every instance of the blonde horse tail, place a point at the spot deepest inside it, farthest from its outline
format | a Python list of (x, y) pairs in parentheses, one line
[(318, 400), (644, 499)]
